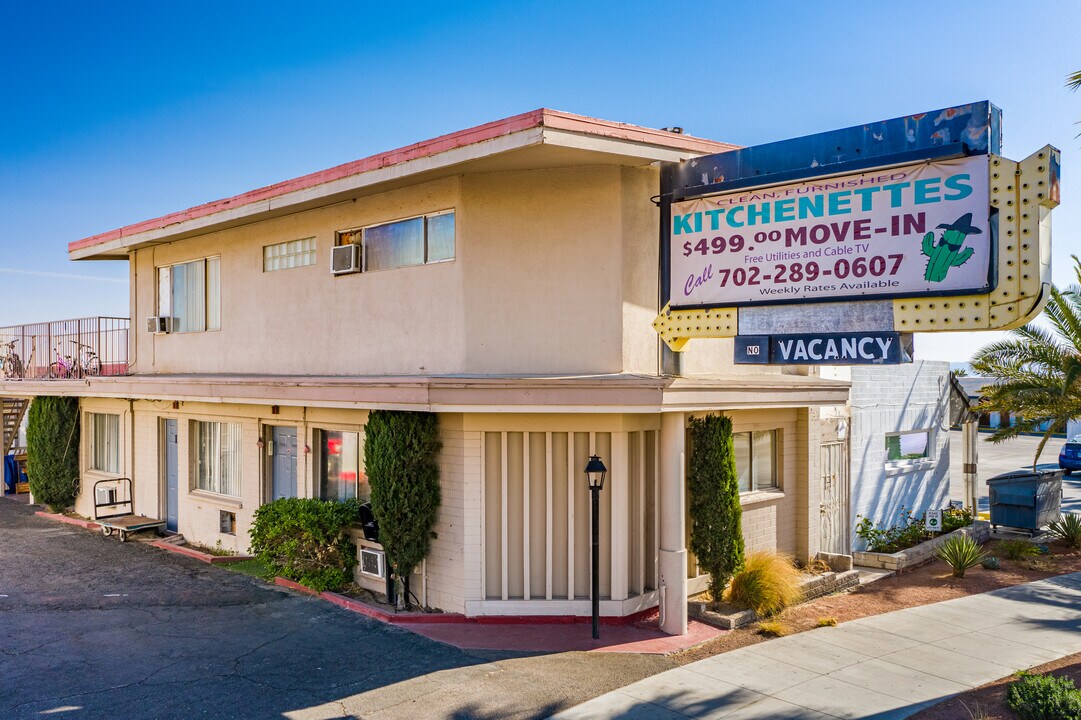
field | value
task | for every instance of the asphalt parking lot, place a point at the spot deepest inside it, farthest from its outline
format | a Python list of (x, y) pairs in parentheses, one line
[(1016, 454), (91, 628)]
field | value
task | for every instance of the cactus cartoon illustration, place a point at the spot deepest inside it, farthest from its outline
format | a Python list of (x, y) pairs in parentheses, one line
[(947, 252)]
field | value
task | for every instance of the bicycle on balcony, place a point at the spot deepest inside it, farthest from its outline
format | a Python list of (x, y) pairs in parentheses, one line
[(87, 360), (12, 365), (83, 363)]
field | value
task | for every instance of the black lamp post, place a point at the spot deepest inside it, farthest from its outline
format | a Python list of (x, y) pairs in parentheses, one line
[(595, 472)]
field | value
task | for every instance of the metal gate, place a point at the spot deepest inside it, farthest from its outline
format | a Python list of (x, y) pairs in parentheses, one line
[(833, 509)]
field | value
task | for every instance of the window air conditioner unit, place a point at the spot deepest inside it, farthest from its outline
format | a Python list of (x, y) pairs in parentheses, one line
[(345, 259), (372, 563), (105, 496), (159, 325)]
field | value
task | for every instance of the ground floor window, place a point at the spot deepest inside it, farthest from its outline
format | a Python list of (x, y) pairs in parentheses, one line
[(756, 459), (340, 474), (914, 445), (217, 457), (104, 442)]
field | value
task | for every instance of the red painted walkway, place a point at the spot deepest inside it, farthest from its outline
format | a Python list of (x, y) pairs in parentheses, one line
[(642, 637)]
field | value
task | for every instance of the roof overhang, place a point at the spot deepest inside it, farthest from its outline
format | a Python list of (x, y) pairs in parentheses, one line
[(540, 139), (575, 394)]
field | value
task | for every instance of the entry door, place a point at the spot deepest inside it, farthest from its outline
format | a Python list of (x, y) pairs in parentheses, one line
[(283, 462), (170, 473), (833, 510)]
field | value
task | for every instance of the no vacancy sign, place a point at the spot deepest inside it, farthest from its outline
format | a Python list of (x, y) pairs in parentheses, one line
[(919, 229)]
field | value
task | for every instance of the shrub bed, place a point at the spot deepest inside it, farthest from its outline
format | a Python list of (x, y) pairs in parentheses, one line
[(1044, 697), (909, 530), (307, 540)]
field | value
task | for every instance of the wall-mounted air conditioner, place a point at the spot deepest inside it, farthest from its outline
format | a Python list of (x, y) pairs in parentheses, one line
[(345, 259), (373, 563), (105, 496), (159, 325)]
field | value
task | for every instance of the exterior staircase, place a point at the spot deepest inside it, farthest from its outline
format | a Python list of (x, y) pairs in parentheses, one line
[(13, 409)]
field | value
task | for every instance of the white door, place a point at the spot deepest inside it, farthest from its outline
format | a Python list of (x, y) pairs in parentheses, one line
[(833, 510)]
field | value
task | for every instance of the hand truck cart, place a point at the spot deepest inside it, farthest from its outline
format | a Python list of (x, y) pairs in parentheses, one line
[(117, 497)]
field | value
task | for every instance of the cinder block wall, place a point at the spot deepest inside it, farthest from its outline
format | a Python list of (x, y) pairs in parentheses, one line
[(898, 398)]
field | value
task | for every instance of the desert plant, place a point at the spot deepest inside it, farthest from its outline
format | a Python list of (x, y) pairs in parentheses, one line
[(826, 622), (991, 563), (401, 457), (976, 712), (768, 583), (772, 628), (1044, 697), (816, 567), (307, 540), (52, 450), (713, 500), (1017, 549), (960, 553), (1039, 563), (1067, 529)]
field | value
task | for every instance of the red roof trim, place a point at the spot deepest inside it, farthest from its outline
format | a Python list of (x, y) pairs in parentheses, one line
[(537, 118)]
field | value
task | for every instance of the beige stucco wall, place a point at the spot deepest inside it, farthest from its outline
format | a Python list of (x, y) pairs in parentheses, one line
[(554, 272)]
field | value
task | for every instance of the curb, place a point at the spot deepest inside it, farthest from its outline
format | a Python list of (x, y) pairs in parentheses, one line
[(412, 618), (199, 555), (78, 522)]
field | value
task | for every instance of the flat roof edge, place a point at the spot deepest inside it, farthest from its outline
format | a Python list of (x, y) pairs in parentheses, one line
[(543, 118)]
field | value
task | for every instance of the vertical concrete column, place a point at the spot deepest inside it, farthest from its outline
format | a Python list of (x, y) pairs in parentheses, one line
[(969, 441), (673, 553), (808, 490)]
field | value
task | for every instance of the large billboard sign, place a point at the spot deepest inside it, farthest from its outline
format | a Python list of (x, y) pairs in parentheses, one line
[(907, 225), (917, 229)]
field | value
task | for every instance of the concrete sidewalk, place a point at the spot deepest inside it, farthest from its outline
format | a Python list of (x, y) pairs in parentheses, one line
[(885, 666)]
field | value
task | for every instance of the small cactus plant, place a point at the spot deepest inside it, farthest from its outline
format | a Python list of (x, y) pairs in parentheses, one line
[(991, 563)]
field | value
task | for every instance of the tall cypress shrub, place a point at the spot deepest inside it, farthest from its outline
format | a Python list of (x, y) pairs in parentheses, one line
[(400, 457), (713, 498), (52, 451)]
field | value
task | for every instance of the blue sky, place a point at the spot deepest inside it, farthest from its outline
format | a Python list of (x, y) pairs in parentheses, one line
[(126, 111)]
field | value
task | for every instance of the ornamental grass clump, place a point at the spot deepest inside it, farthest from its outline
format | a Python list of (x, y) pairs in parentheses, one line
[(960, 553), (768, 583), (1067, 529), (772, 628), (1044, 697)]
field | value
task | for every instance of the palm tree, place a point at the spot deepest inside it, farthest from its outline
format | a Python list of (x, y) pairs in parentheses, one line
[(1073, 81), (1038, 370)]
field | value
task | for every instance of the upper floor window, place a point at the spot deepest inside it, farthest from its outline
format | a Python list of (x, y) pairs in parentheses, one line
[(290, 254), (416, 241), (190, 293), (104, 442)]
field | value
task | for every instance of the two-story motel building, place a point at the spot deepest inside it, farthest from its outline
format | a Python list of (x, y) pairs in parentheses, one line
[(507, 280)]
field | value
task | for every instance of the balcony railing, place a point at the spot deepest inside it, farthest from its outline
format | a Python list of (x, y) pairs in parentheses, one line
[(65, 349)]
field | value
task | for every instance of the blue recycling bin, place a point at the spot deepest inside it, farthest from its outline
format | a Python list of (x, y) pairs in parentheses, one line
[(13, 474), (1025, 499)]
